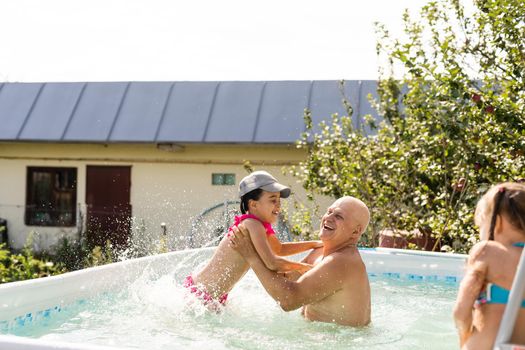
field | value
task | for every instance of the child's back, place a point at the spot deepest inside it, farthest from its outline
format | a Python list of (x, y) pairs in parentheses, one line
[(484, 291), (223, 271)]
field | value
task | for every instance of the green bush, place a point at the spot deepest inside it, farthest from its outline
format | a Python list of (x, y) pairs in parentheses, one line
[(23, 266), (76, 255), (454, 124), (68, 256)]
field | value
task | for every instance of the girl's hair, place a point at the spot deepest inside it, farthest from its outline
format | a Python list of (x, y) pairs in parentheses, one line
[(254, 195), (506, 199)]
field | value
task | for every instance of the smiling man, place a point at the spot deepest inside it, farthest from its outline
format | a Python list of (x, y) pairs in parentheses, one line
[(336, 289)]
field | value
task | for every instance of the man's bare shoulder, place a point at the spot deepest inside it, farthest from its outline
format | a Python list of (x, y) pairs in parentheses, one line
[(345, 259), (349, 259), (350, 254), (313, 255)]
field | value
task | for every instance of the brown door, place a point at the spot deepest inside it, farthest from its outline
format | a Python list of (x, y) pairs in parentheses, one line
[(108, 205)]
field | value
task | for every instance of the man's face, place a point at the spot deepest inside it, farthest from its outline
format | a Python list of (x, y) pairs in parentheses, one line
[(336, 222)]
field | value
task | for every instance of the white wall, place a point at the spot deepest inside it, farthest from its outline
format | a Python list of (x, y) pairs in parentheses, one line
[(169, 187)]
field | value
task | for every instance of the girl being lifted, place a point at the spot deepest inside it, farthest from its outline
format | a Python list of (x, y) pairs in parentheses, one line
[(260, 195)]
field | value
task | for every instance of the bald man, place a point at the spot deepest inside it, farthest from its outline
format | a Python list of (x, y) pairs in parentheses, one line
[(336, 289)]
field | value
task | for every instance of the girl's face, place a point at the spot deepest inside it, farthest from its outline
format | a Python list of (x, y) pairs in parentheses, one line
[(268, 207)]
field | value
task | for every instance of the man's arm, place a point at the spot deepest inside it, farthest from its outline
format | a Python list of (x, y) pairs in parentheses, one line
[(324, 279)]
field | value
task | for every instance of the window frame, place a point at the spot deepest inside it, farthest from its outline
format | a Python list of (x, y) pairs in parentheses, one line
[(224, 181), (31, 207)]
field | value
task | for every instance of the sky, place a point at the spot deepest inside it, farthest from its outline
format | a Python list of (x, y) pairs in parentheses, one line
[(193, 40)]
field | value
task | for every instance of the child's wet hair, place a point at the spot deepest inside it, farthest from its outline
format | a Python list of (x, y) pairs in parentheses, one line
[(506, 199), (254, 195)]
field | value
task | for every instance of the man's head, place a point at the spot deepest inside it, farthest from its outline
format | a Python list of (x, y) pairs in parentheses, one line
[(344, 221)]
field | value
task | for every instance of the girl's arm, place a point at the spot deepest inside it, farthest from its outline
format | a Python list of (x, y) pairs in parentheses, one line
[(291, 248), (268, 257), (308, 259), (469, 290)]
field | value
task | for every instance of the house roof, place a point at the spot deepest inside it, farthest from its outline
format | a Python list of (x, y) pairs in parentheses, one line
[(183, 112)]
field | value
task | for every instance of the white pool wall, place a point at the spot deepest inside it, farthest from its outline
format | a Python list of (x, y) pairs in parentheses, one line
[(9, 342), (19, 298), (23, 301), (416, 265)]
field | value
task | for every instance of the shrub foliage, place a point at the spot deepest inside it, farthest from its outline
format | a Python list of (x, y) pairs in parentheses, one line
[(24, 266), (454, 123)]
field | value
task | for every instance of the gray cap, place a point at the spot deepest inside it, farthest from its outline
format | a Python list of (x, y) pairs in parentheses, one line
[(263, 180)]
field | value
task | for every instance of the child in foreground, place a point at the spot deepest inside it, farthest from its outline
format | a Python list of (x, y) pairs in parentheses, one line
[(260, 206), (492, 263)]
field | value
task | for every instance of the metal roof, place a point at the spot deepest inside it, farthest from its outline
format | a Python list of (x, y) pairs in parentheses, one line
[(184, 112)]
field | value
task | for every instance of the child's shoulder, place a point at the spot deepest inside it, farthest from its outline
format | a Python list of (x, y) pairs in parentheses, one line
[(239, 219), (250, 221), (253, 224), (485, 250)]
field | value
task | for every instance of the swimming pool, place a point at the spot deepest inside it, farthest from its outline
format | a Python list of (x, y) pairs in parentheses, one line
[(140, 304)]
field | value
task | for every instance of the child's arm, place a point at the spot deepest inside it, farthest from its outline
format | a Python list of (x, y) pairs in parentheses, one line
[(268, 257), (291, 248), (469, 290), (308, 259)]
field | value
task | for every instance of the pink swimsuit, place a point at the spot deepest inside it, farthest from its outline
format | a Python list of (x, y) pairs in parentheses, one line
[(202, 294), (240, 218)]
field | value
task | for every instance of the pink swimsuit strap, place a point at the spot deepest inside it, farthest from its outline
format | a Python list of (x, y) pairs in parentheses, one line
[(241, 218)]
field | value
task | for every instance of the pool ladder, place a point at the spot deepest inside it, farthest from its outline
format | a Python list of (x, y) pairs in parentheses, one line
[(511, 310)]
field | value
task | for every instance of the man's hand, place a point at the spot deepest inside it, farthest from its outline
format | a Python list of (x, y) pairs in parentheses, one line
[(291, 275), (240, 241), (304, 268)]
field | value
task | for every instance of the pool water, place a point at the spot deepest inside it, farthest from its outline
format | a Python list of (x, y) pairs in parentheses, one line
[(157, 313)]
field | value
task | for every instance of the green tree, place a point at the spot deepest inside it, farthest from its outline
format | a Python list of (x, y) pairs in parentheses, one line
[(454, 123)]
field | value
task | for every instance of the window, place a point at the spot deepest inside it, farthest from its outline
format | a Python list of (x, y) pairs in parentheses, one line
[(223, 179), (51, 196)]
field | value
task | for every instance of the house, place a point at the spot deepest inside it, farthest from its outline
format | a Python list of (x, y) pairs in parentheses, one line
[(137, 160)]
